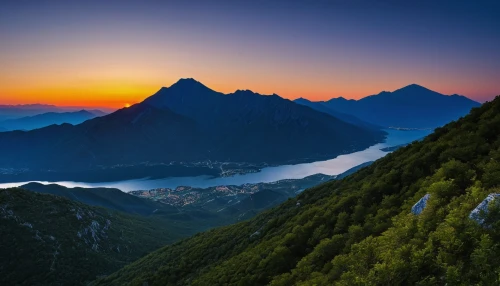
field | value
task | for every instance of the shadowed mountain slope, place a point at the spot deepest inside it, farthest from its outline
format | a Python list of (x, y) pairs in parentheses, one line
[(412, 106), (187, 122)]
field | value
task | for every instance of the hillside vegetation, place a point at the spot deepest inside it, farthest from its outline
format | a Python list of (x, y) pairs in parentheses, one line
[(50, 240), (360, 230)]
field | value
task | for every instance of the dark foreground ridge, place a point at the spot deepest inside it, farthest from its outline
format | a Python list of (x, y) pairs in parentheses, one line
[(361, 229)]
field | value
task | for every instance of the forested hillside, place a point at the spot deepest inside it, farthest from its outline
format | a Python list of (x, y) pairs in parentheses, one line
[(360, 230), (50, 240)]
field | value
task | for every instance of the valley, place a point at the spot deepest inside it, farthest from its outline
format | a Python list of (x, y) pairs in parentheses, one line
[(209, 174)]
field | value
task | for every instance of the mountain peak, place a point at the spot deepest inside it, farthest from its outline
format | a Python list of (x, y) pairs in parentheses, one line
[(187, 80), (184, 84), (188, 83), (83, 111), (413, 87), (245, 91), (180, 93), (340, 99), (302, 99)]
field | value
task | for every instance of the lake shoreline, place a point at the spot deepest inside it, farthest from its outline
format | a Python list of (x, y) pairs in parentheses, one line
[(268, 174), (146, 171)]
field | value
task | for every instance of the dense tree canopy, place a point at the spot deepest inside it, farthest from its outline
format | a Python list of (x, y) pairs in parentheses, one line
[(51, 240)]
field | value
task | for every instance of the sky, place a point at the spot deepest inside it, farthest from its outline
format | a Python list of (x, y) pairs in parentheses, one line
[(113, 53)]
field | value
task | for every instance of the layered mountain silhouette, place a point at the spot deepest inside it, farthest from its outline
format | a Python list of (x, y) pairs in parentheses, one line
[(25, 110), (188, 122), (413, 106), (49, 118), (320, 106), (18, 111)]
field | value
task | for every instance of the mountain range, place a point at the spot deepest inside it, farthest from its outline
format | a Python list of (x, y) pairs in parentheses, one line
[(412, 106), (409, 218), (18, 111), (187, 122), (47, 119), (25, 110)]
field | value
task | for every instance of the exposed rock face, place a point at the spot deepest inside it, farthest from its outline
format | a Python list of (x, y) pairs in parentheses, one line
[(420, 205), (477, 214)]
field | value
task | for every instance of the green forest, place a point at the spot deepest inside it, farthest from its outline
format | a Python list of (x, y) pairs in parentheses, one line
[(360, 230), (51, 240)]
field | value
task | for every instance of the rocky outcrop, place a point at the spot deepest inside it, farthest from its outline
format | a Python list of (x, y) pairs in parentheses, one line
[(481, 210), (419, 207)]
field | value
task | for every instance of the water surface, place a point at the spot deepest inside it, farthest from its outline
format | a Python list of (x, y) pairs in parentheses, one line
[(334, 166)]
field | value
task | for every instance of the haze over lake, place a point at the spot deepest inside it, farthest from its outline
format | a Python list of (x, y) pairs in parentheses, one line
[(334, 166)]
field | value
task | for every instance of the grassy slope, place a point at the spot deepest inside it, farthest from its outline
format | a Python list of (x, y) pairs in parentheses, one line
[(358, 230)]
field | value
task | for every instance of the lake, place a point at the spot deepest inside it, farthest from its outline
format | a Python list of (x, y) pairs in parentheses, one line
[(334, 166)]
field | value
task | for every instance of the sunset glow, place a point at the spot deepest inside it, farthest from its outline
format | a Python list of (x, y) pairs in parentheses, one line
[(98, 55)]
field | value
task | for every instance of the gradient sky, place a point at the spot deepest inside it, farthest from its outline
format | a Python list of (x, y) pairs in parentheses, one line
[(110, 53)]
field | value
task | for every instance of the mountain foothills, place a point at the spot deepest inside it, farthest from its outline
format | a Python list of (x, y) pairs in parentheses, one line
[(412, 106), (184, 127), (362, 229), (104, 197), (50, 240), (50, 118)]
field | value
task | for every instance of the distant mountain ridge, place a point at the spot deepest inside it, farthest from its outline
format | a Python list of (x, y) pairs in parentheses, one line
[(189, 122), (18, 111), (320, 106), (413, 106), (49, 118), (28, 106), (24, 110)]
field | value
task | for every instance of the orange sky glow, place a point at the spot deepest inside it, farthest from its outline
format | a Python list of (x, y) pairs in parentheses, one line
[(107, 55)]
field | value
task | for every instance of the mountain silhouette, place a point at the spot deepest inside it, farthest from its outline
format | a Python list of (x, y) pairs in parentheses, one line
[(320, 106), (188, 122), (49, 118), (18, 111), (413, 106), (25, 110)]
